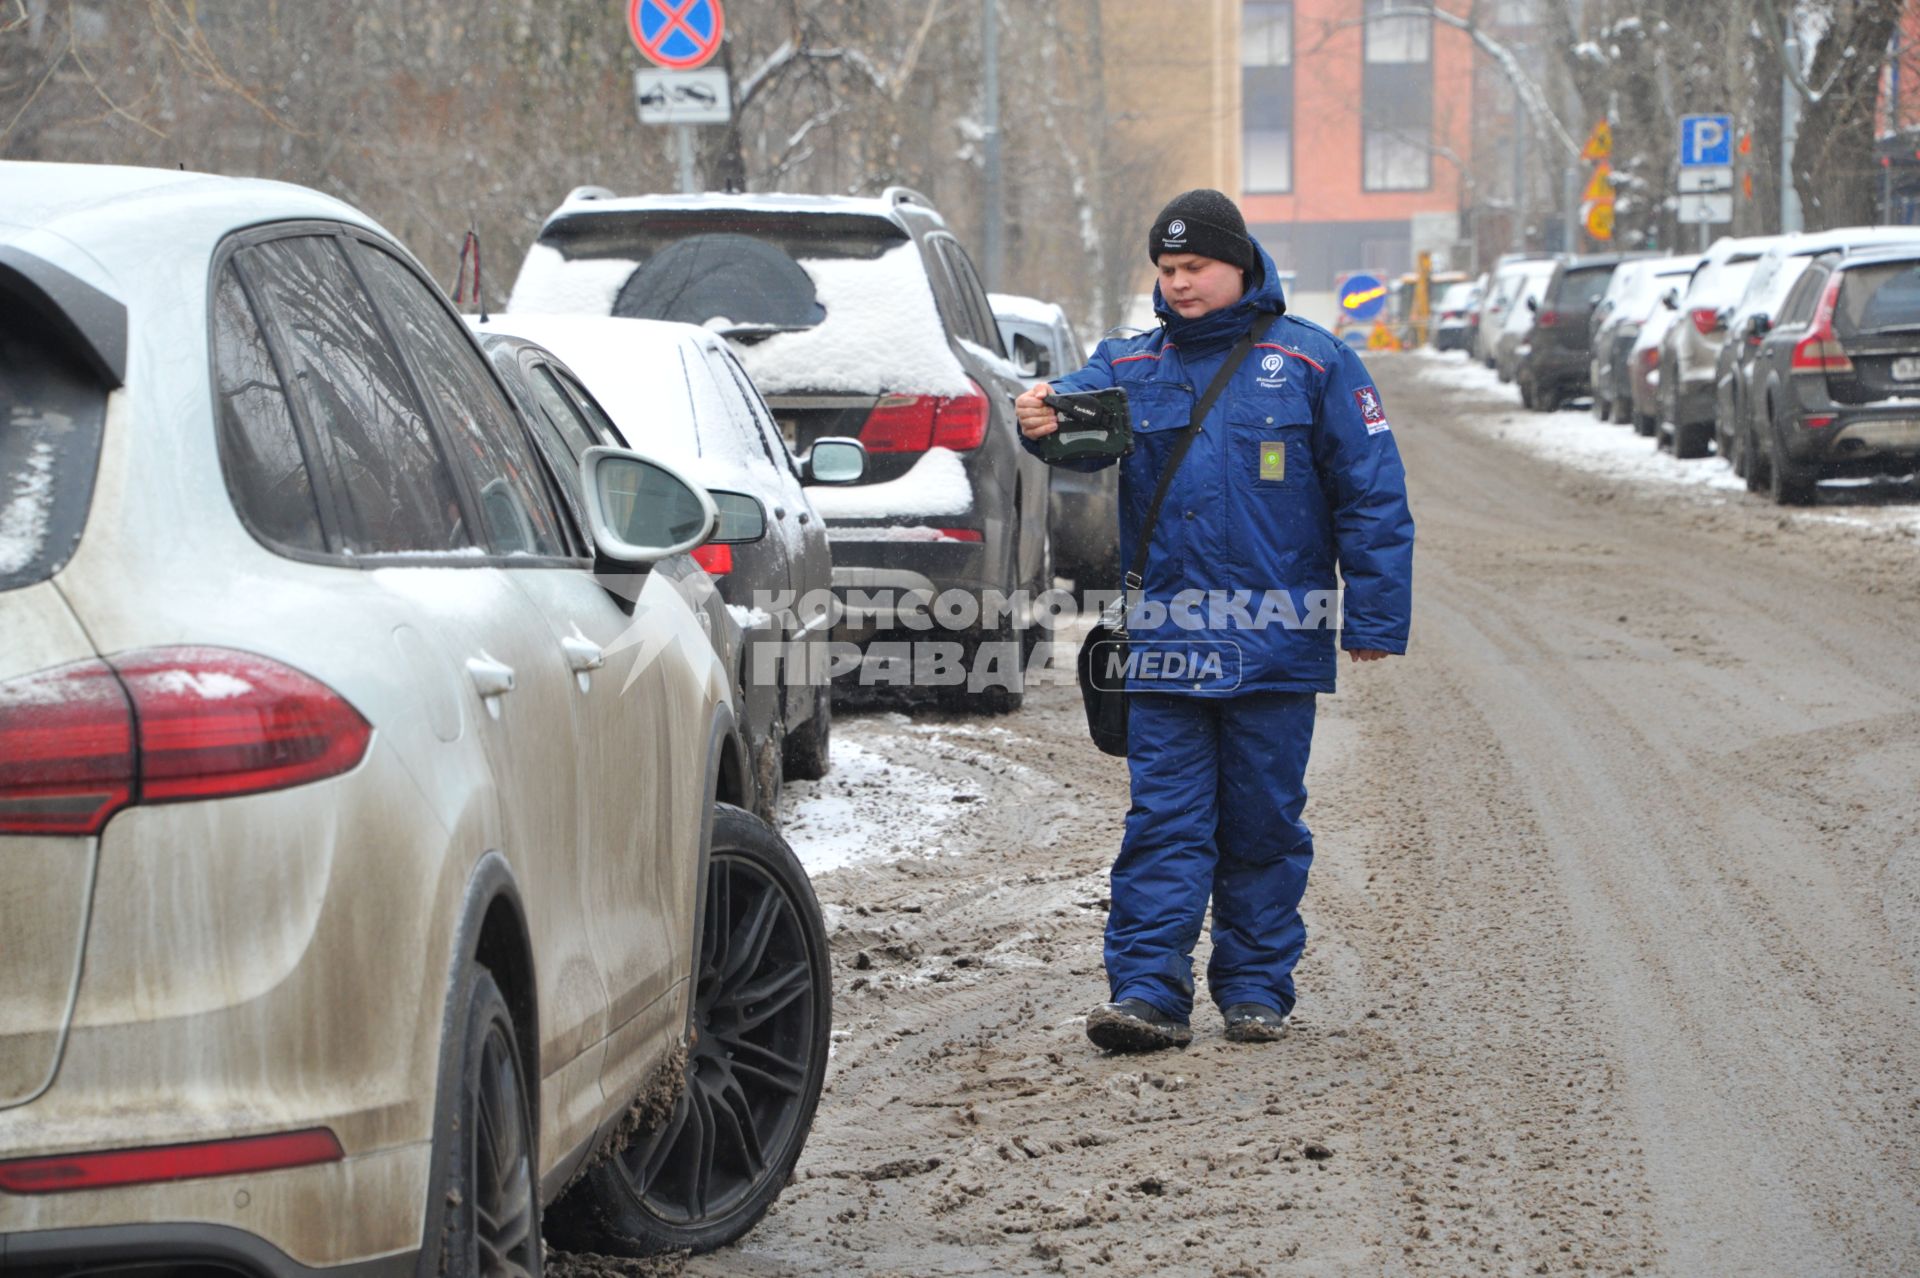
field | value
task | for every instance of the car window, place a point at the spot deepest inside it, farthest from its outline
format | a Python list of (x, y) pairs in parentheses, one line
[(596, 417), (1582, 288), (391, 481), (1798, 308), (265, 460), (1882, 296), (976, 295), (948, 292), (52, 412), (485, 432), (561, 411), (770, 437)]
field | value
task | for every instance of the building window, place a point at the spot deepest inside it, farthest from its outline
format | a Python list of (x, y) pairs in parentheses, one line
[(1392, 39), (1394, 162), (1396, 98), (1266, 96)]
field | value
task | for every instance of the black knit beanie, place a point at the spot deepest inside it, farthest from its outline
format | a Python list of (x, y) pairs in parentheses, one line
[(1204, 222)]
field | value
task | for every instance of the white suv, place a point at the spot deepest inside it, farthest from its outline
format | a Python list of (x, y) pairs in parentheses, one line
[(366, 853)]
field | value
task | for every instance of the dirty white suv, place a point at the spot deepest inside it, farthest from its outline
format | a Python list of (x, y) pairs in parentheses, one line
[(362, 779)]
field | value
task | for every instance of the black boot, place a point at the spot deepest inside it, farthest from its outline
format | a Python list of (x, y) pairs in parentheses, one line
[(1253, 1023), (1134, 1025)]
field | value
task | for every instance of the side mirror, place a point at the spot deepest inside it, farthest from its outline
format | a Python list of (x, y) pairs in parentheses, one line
[(1533, 304), (835, 460), (1720, 318), (639, 511), (740, 519), (1671, 299), (1758, 326), (1032, 358)]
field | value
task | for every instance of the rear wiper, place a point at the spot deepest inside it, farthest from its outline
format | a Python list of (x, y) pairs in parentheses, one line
[(748, 334)]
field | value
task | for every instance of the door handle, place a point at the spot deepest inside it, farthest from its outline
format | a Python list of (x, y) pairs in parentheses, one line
[(493, 678), (582, 654)]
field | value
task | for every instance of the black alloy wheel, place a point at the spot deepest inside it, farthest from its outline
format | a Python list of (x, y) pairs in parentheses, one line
[(762, 1017), (493, 1197)]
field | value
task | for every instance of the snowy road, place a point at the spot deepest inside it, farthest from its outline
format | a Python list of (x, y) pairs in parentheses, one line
[(1615, 922)]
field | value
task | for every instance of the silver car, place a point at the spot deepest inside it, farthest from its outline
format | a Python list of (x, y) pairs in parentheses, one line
[(367, 853)]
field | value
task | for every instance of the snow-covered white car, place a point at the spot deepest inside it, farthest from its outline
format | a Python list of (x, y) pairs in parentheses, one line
[(1644, 369), (367, 854), (675, 392), (854, 317), (1529, 285)]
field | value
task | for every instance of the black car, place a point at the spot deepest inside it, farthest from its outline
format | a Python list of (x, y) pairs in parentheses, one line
[(855, 317), (1836, 378), (1554, 365)]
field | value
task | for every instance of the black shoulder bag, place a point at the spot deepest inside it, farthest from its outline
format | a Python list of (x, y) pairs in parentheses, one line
[(1103, 656)]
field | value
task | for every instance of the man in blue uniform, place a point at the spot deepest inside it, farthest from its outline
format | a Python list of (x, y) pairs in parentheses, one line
[(1294, 471)]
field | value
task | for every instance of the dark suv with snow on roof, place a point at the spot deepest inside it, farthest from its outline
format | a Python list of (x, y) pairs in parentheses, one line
[(854, 317)]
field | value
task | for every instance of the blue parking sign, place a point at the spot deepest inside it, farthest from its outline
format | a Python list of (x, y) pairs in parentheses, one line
[(1706, 140)]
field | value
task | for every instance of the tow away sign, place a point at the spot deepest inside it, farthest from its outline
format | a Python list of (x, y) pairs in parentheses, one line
[(682, 97)]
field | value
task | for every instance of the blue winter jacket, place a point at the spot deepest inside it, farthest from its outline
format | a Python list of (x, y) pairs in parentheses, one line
[(1293, 472)]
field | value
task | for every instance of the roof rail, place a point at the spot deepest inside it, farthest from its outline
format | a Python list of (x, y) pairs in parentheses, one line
[(906, 195), (588, 193)]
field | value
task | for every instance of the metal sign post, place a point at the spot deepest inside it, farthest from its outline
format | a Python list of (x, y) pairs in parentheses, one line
[(1706, 168), (680, 36)]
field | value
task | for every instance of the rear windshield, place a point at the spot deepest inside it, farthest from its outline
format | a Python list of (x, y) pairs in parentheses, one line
[(1883, 296), (1582, 288), (737, 272), (1721, 283), (51, 412)]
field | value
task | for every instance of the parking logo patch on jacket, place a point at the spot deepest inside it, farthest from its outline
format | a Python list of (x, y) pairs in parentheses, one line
[(1371, 412)]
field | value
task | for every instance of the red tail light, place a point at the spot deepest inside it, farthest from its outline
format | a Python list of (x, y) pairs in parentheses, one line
[(66, 750), (961, 534), (915, 423), (79, 743), (1820, 351), (64, 1173), (961, 423), (1548, 319), (1706, 319), (716, 559), (1818, 422), (1650, 356)]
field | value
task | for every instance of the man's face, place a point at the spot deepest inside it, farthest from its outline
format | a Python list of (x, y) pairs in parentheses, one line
[(1193, 285)]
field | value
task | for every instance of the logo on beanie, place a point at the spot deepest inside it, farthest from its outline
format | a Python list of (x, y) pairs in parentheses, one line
[(1176, 228)]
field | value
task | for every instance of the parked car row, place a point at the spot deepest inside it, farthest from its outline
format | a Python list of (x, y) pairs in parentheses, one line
[(1794, 358), (385, 787)]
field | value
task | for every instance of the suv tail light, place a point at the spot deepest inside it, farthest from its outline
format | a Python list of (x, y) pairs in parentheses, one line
[(1820, 351), (163, 725), (1706, 320), (1650, 356), (915, 423), (1547, 319)]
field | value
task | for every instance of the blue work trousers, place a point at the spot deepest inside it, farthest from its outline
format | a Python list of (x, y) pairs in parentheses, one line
[(1218, 789)]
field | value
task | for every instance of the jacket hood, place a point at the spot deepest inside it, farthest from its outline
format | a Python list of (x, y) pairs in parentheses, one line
[(1263, 296)]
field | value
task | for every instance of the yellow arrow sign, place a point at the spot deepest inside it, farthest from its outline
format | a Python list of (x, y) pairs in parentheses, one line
[(1354, 301)]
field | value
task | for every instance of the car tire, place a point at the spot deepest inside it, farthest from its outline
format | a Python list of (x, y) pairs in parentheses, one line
[(1689, 440), (1787, 484), (1602, 408), (1527, 397), (1006, 643), (1623, 410), (1757, 472), (491, 1221), (1644, 424), (762, 1022), (808, 747)]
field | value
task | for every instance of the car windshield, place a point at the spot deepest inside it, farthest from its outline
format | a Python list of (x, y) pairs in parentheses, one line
[(1720, 283), (1457, 297), (1883, 296), (51, 414)]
